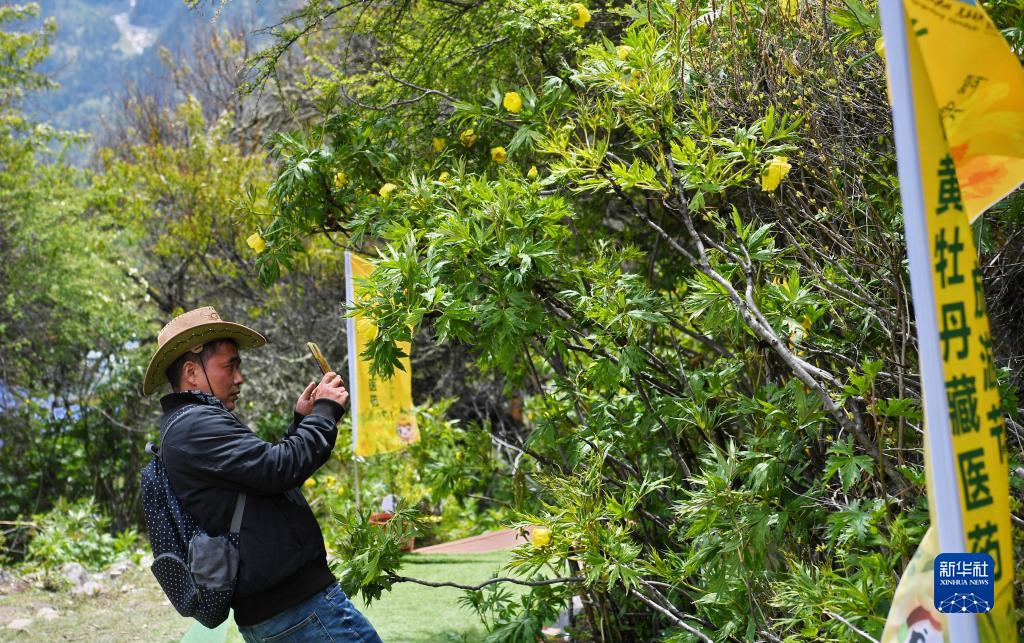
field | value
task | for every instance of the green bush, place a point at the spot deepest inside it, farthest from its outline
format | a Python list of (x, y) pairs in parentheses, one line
[(78, 532)]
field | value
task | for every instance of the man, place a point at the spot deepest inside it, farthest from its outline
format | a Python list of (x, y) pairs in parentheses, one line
[(285, 590)]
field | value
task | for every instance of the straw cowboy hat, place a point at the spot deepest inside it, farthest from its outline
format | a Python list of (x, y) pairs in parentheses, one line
[(187, 331)]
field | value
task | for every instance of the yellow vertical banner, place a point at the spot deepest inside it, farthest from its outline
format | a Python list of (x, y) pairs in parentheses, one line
[(382, 419), (960, 149), (972, 395)]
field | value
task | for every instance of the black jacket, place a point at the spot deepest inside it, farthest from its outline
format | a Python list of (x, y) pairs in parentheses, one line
[(210, 457)]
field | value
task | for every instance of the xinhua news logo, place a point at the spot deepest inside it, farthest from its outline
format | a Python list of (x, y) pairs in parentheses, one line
[(964, 583)]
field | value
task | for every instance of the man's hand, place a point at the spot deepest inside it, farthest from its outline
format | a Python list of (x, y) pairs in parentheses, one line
[(304, 405), (331, 387)]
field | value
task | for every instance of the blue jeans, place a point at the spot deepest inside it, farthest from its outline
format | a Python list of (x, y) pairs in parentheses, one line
[(327, 616)]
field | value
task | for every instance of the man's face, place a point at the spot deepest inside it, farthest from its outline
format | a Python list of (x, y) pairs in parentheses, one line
[(224, 369)]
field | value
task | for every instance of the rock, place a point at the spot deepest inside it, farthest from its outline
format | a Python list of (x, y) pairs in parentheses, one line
[(118, 568), (47, 613), (7, 581), (146, 561), (19, 624), (75, 573), (89, 588)]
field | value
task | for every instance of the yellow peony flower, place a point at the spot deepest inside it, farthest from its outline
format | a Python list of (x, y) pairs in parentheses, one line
[(467, 138), (513, 102), (443, 177), (340, 179), (541, 536), (499, 155), (582, 15), (438, 143), (256, 242), (386, 189), (310, 482), (532, 173), (773, 174), (623, 51)]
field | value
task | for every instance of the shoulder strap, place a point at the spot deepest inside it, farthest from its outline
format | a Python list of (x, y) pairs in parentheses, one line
[(154, 449), (236, 518)]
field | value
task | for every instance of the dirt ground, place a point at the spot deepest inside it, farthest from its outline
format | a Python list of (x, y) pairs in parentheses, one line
[(131, 607)]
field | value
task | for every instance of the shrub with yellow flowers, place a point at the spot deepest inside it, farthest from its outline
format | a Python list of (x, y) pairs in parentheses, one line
[(673, 301)]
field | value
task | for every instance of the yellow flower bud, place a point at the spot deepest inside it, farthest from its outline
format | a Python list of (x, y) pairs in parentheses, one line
[(467, 138), (541, 536), (340, 179), (773, 174), (623, 51), (499, 155), (443, 177), (582, 15), (310, 482), (513, 102), (532, 173), (438, 143), (256, 242), (386, 189)]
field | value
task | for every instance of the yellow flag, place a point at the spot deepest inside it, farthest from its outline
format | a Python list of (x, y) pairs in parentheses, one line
[(967, 89), (913, 616), (382, 419), (978, 88)]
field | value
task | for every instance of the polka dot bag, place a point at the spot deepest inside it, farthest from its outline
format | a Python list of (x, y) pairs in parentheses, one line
[(197, 572)]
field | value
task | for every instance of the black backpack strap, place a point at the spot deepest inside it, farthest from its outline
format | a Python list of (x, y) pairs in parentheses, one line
[(154, 449), (236, 518)]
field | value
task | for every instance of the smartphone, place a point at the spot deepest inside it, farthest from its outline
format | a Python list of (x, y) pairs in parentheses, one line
[(319, 357)]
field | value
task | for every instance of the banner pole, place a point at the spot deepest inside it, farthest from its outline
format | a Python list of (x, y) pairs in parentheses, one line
[(355, 474), (353, 383), (962, 628)]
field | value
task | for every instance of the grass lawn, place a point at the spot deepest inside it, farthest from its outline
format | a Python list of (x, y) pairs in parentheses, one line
[(412, 613)]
